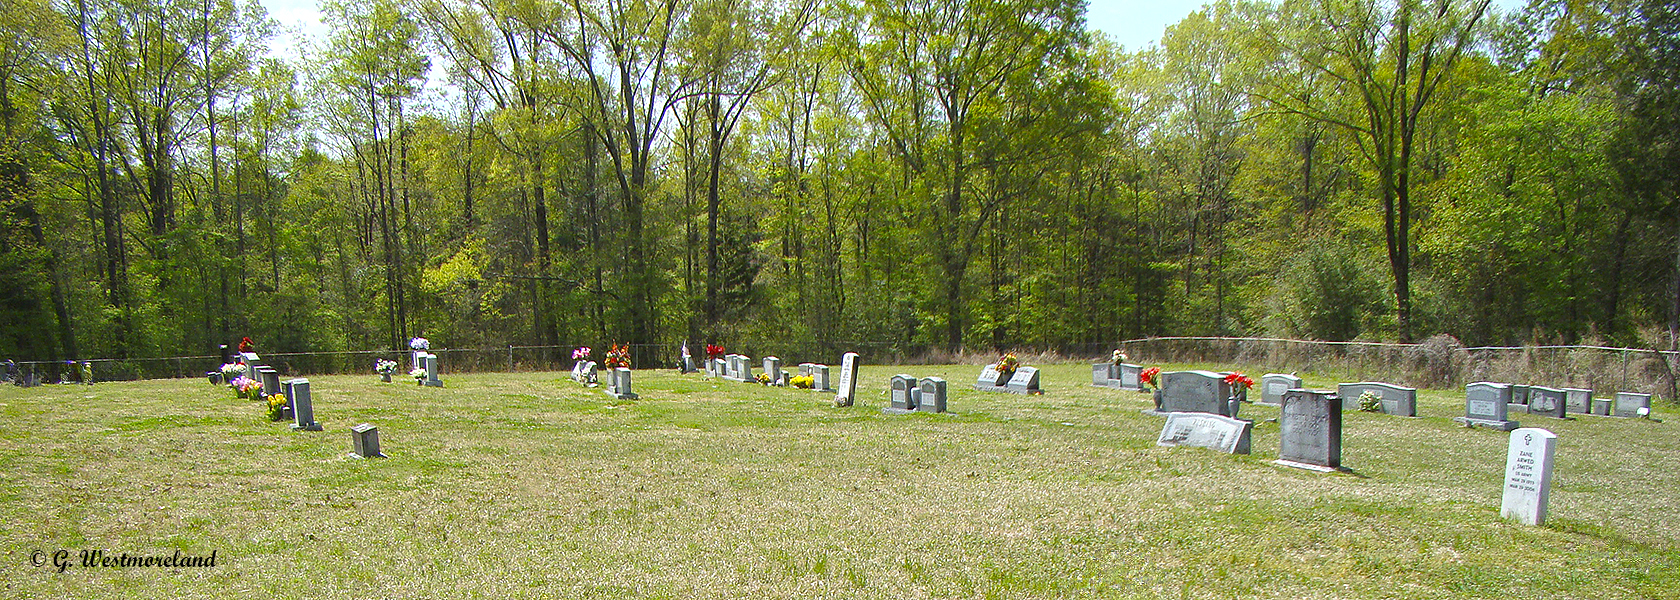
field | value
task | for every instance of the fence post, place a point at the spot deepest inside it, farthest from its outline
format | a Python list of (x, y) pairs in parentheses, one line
[(510, 358), (1623, 387)]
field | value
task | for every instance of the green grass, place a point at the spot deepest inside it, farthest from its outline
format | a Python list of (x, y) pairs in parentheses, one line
[(528, 485)]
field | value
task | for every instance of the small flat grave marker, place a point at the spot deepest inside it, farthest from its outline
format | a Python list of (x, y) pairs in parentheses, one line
[(1204, 430)]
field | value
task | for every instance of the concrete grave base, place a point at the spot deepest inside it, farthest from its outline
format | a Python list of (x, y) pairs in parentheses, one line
[(1490, 424), (1307, 466)]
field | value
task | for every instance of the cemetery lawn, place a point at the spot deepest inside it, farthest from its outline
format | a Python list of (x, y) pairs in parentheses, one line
[(528, 485)]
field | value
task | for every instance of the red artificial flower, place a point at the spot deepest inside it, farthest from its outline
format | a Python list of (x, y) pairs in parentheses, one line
[(245, 345), (1237, 378), (1149, 375)]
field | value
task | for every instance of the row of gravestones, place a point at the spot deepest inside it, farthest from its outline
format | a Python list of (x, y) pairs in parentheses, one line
[(300, 404), (429, 362), (910, 395), (737, 367), (83, 374), (1488, 404), (1023, 380)]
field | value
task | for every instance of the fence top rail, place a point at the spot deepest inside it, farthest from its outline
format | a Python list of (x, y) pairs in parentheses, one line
[(1395, 344)]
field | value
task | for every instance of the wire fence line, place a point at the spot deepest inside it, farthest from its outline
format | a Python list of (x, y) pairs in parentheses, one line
[(1439, 362)]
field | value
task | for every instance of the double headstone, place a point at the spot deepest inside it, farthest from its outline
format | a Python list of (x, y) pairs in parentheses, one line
[(1485, 404), (1547, 402), (1528, 475), (1124, 376), (1310, 425), (1194, 391), (1629, 403), (848, 380), (1205, 430), (303, 406), (1025, 381), (618, 385), (364, 439), (1393, 399), (1273, 386)]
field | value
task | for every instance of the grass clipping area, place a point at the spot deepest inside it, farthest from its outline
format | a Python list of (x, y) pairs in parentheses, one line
[(530, 485)]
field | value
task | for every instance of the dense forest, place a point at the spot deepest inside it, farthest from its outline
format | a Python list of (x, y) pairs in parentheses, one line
[(930, 174)]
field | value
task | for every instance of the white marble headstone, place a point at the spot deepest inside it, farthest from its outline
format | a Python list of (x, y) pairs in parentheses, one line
[(1528, 475)]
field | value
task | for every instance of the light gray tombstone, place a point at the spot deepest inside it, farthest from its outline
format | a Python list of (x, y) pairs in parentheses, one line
[(1485, 404), (1601, 406), (1519, 394), (1629, 403), (1131, 377), (286, 390), (1273, 385), (303, 407), (1310, 425), (1101, 373), (270, 380), (806, 368), (590, 372), (577, 370), (848, 380), (1025, 381), (1528, 475), (364, 440), (1203, 430), (620, 387), (432, 371), (1194, 391), (902, 397), (687, 364), (989, 380), (819, 378), (1396, 400), (1548, 402), (1577, 400), (932, 397), (773, 368)]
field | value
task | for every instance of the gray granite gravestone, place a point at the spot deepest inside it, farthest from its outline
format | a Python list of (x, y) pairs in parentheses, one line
[(364, 440), (805, 368), (1101, 373), (820, 379), (432, 371), (303, 407), (1577, 400), (1025, 381), (1218, 432), (991, 380), (773, 368), (270, 380), (1528, 475), (620, 385), (932, 396), (1629, 403), (1485, 404), (902, 398), (1194, 391), (1396, 400), (1547, 402), (1273, 385), (1310, 425), (1601, 406), (1131, 377), (1519, 394), (848, 379)]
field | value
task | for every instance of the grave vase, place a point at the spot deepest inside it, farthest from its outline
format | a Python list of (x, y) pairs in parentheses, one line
[(385, 377), (1157, 399)]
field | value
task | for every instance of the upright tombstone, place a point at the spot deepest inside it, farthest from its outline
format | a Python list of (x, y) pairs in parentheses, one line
[(1102, 373), (1310, 425), (1528, 475), (773, 368), (270, 380), (303, 407), (250, 360), (686, 365), (1273, 386), (992, 380), (932, 396), (1204, 430), (1629, 403), (903, 394), (590, 372), (819, 378), (1519, 394), (1193, 391), (1025, 381), (577, 370), (432, 371), (1395, 400), (1601, 406), (1131, 377), (619, 386), (364, 440), (1577, 400), (1485, 404), (848, 380), (1547, 402)]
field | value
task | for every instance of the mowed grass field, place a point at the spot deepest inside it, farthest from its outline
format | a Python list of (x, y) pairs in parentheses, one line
[(528, 485)]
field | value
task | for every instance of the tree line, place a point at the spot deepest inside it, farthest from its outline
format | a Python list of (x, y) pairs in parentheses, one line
[(798, 175)]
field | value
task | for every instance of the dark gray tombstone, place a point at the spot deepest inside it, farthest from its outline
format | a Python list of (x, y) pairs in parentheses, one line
[(1629, 403), (1547, 402), (1025, 381), (902, 397), (1396, 400), (1578, 400), (432, 371), (1273, 385), (303, 407), (848, 380), (991, 380), (1486, 405), (270, 380), (364, 440), (1194, 391), (1519, 394), (932, 396), (1310, 425), (1204, 430), (1601, 406)]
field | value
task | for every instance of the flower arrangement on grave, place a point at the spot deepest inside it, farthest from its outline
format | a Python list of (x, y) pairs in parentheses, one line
[(803, 382), (1151, 378), (618, 356), (1008, 363), (1118, 357), (582, 353), (419, 343), (231, 371), (1237, 378), (385, 367), (246, 345), (1370, 402), (246, 387), (763, 378), (276, 406), (714, 351), (418, 373)]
